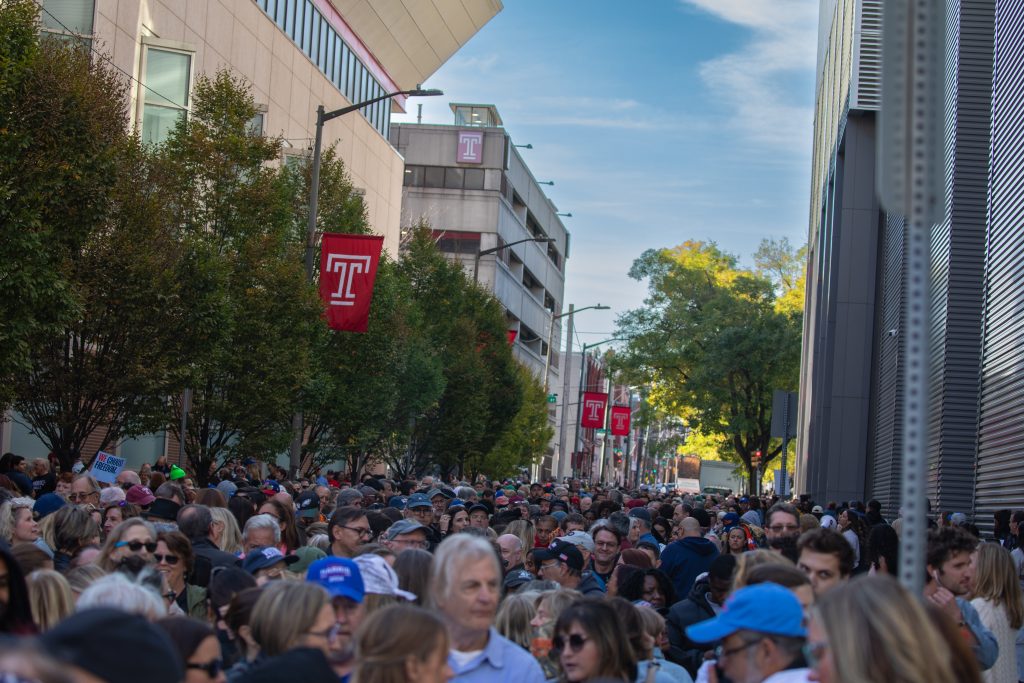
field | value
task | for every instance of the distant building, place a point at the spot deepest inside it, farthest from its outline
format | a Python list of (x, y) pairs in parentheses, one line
[(469, 182)]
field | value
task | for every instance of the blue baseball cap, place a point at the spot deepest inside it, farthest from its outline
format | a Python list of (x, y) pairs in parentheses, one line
[(764, 608), (397, 502), (339, 576), (264, 557), (418, 500)]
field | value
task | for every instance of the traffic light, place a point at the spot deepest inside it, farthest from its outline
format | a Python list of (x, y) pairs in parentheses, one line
[(755, 460)]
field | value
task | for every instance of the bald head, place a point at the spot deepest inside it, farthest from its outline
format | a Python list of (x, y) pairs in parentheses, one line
[(690, 527), (511, 550)]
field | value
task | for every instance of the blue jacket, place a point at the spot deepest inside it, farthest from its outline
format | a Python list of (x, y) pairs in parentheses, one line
[(686, 559)]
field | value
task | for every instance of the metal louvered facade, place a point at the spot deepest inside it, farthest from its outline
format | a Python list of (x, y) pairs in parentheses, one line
[(833, 365), (958, 258), (1000, 466), (866, 88), (887, 388)]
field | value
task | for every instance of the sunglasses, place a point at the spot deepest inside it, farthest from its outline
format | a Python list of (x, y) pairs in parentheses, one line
[(136, 546), (169, 559), (575, 642), (212, 668)]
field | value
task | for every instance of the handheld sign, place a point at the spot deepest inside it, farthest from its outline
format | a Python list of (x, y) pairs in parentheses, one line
[(106, 467)]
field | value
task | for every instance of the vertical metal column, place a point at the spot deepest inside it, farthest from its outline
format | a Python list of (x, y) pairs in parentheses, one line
[(566, 450), (910, 181)]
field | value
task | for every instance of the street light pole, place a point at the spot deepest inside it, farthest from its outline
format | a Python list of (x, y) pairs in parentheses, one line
[(323, 117), (547, 364), (579, 399), (493, 250)]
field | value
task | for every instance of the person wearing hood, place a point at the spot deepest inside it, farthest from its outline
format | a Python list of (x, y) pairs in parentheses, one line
[(689, 557), (704, 602)]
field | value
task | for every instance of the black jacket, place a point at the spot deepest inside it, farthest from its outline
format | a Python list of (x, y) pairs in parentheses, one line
[(694, 609), (209, 556)]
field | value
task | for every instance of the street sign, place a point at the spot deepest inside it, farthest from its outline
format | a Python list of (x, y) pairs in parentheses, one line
[(552, 398)]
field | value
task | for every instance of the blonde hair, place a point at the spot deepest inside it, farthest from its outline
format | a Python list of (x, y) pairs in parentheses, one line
[(49, 595), (284, 613), (654, 623), (996, 581), (231, 537), (7, 515), (879, 632), (755, 558), (556, 601), (514, 617), (389, 637)]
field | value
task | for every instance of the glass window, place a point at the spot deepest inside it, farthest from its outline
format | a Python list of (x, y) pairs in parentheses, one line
[(166, 96), (433, 176), (69, 16), (413, 176), (289, 19), (307, 27), (474, 178), (314, 45), (272, 9), (453, 178), (256, 123)]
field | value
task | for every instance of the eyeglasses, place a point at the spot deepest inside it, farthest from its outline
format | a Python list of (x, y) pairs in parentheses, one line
[(330, 634), (814, 652), (212, 668), (79, 497), (544, 567), (136, 546), (575, 642), (779, 528), (722, 653), (363, 531), (169, 559)]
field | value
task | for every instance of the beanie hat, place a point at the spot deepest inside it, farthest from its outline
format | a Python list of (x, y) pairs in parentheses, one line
[(144, 652), (176, 473)]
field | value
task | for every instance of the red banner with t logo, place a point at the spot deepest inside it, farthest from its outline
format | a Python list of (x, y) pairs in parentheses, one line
[(348, 268), (592, 415), (620, 420)]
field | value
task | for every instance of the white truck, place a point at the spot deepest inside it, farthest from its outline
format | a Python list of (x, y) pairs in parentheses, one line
[(717, 476)]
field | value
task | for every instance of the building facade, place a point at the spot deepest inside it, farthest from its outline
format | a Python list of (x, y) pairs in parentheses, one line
[(296, 54), (468, 182), (977, 292)]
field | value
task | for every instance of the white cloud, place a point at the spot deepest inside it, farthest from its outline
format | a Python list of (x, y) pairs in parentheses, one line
[(753, 82)]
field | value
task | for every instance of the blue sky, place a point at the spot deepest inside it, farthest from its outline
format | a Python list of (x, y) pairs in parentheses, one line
[(659, 121)]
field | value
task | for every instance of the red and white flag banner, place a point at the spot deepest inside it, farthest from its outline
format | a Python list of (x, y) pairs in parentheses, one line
[(592, 413), (348, 269), (620, 420)]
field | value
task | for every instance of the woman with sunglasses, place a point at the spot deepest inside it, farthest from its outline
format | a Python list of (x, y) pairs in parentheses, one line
[(197, 646), (590, 644), (175, 559), (133, 536)]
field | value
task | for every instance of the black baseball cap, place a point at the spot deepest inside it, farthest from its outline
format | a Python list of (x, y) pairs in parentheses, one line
[(563, 552)]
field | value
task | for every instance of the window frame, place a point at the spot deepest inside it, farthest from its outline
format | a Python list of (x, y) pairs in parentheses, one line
[(153, 43)]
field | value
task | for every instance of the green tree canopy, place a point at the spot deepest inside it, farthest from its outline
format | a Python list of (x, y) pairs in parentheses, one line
[(713, 344)]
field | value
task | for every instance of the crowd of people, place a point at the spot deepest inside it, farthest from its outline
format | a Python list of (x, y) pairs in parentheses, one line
[(258, 577)]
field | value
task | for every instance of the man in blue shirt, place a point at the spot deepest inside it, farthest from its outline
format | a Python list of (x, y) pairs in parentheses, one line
[(466, 587)]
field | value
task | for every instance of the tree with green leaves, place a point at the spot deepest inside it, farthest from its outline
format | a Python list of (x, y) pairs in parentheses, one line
[(482, 392), (254, 314), (62, 130), (83, 212), (713, 343), (524, 440)]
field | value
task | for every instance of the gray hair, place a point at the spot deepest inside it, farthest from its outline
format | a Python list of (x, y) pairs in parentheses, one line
[(263, 521), (120, 592), (454, 553), (465, 492)]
